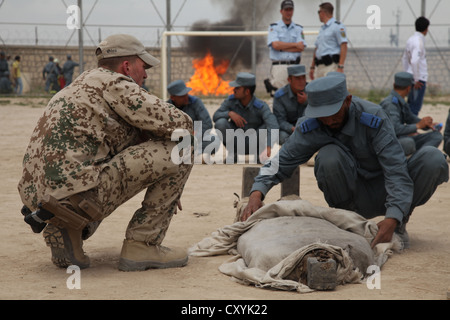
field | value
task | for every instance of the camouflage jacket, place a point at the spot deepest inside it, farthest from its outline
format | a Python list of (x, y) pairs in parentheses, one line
[(84, 126)]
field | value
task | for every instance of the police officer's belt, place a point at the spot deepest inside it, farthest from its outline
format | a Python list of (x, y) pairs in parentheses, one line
[(327, 60), (297, 61)]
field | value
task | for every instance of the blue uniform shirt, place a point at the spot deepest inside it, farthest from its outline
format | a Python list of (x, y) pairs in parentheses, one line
[(286, 108), (197, 111), (402, 118), (280, 32), (368, 136), (331, 35)]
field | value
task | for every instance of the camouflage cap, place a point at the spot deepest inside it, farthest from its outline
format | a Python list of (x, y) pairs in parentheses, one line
[(121, 45)]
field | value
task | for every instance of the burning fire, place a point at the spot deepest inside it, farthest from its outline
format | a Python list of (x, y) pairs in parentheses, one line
[(207, 77)]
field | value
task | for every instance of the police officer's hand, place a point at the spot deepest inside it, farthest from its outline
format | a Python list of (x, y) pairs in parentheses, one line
[(265, 154), (301, 97), (238, 120), (425, 123), (385, 232), (300, 46), (311, 74), (254, 203)]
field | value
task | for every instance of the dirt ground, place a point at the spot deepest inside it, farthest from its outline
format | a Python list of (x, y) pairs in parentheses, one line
[(26, 272)]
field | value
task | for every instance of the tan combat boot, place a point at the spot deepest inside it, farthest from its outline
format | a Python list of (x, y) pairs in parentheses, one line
[(66, 245), (138, 256)]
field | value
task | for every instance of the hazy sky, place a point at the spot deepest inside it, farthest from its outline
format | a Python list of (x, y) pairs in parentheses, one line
[(49, 16)]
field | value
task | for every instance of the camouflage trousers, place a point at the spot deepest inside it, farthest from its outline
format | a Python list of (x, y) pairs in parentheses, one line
[(144, 166)]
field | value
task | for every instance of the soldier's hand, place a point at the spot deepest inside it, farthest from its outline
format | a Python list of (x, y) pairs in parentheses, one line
[(237, 119), (386, 229), (254, 203), (179, 206)]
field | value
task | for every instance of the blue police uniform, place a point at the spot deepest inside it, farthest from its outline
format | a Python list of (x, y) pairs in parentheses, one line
[(67, 70), (282, 59), (331, 35), (280, 32), (362, 166), (257, 114), (197, 111), (404, 122), (287, 110)]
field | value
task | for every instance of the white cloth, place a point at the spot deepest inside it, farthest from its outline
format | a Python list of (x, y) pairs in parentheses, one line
[(414, 57), (224, 241)]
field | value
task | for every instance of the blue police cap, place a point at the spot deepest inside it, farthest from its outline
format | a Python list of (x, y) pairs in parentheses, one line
[(244, 79), (335, 74), (403, 79), (178, 88), (325, 96), (296, 70)]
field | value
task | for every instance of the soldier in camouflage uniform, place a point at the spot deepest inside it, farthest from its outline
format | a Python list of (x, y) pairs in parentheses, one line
[(104, 139)]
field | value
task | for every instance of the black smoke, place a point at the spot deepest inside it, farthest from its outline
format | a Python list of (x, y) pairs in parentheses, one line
[(238, 50)]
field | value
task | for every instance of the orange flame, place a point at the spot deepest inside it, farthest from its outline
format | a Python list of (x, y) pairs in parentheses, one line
[(207, 77)]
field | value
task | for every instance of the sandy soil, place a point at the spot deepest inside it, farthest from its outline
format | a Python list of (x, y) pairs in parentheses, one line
[(26, 272)]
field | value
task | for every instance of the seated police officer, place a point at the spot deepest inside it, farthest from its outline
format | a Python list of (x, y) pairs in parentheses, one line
[(360, 165), (195, 108), (289, 102), (407, 123), (242, 110)]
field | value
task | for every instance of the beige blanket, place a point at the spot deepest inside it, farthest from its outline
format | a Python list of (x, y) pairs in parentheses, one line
[(224, 241)]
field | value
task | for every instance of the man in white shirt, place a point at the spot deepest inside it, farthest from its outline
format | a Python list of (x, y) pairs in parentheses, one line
[(415, 63)]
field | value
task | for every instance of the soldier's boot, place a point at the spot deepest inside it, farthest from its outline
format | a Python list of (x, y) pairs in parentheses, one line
[(139, 256), (66, 246)]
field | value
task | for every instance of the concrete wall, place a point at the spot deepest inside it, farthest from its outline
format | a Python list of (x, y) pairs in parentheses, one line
[(365, 68)]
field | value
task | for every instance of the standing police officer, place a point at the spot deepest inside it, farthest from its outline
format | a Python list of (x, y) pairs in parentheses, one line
[(360, 165), (67, 69), (289, 102), (286, 42), (331, 44)]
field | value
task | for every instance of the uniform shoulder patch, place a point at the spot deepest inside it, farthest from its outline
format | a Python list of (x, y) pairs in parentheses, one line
[(309, 125), (258, 104), (280, 92), (370, 120), (192, 99), (337, 22), (299, 25), (395, 100), (273, 24)]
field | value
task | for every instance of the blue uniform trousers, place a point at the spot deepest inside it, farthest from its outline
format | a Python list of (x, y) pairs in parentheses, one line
[(337, 177)]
